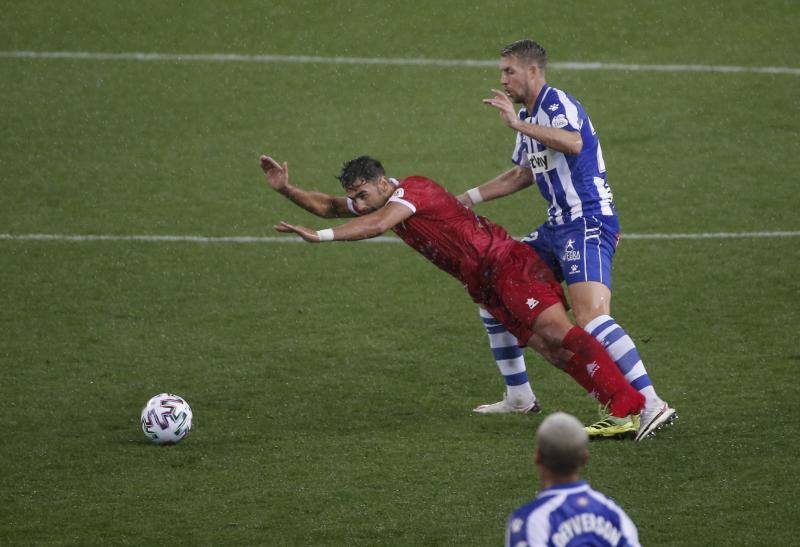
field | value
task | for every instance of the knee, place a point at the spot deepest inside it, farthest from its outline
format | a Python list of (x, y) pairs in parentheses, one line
[(589, 301), (584, 316), (553, 329)]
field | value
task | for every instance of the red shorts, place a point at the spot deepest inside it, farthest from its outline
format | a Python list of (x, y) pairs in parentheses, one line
[(521, 287)]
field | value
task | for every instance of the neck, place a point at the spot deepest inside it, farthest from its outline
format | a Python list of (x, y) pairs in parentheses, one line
[(538, 85), (548, 479)]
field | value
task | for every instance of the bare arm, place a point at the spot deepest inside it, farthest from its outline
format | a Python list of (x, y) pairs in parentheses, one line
[(363, 227), (317, 203), (507, 183), (567, 142)]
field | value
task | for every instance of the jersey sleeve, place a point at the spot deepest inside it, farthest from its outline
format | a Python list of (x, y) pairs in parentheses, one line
[(352, 207), (515, 531), (562, 111), (411, 194)]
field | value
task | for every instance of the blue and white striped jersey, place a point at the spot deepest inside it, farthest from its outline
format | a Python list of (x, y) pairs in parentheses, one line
[(574, 185), (570, 514)]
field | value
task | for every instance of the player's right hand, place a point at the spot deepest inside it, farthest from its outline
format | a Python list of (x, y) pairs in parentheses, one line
[(306, 233), (277, 175)]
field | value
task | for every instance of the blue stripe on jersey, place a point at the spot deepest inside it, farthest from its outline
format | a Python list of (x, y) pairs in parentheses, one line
[(571, 514), (557, 196), (574, 185)]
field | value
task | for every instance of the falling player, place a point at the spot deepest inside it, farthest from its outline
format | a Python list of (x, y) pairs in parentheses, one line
[(558, 149), (501, 274)]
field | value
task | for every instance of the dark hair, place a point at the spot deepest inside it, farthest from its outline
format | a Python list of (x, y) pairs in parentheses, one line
[(359, 170), (526, 50)]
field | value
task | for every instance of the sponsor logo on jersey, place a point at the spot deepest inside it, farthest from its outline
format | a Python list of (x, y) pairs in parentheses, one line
[(560, 121), (540, 161), (553, 107), (532, 303), (398, 193), (591, 368), (574, 269), (516, 525)]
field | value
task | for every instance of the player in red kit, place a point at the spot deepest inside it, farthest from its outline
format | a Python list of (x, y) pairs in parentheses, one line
[(499, 273)]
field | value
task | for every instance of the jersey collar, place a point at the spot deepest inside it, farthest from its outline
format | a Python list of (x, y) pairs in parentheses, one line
[(538, 102), (559, 488)]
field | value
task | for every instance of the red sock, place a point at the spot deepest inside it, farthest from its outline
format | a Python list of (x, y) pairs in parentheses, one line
[(576, 368), (593, 369)]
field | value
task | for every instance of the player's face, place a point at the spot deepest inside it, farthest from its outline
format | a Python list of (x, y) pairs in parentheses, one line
[(516, 78), (370, 196)]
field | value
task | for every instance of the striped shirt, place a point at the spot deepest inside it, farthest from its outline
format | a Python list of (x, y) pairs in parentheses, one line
[(570, 515), (574, 185)]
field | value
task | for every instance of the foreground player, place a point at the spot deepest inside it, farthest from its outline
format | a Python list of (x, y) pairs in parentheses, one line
[(557, 147), (567, 510), (501, 274)]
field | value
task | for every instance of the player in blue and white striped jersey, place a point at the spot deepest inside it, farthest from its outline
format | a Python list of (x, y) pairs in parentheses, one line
[(567, 510), (557, 148)]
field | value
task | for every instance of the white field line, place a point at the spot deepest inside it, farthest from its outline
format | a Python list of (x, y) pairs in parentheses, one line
[(483, 63), (382, 239)]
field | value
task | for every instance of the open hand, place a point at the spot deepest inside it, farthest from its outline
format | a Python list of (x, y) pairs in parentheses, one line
[(502, 103), (277, 175), (306, 233)]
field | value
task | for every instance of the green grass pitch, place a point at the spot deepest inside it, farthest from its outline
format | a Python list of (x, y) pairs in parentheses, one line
[(332, 385)]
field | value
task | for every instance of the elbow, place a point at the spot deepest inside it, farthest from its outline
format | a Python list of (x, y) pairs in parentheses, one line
[(574, 148), (329, 211)]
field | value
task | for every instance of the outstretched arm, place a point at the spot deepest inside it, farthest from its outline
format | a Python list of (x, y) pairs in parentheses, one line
[(363, 227), (318, 203), (511, 181)]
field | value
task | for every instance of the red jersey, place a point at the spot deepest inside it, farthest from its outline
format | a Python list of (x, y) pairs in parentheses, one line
[(502, 274), (454, 238)]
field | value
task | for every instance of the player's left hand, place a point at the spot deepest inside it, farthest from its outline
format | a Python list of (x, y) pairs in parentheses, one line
[(306, 233), (502, 103), (465, 200), (277, 174)]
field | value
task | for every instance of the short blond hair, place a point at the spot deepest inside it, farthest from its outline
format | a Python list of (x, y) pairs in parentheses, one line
[(528, 51), (562, 443)]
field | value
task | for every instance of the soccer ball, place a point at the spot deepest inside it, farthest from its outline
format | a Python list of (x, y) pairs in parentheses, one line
[(166, 419)]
